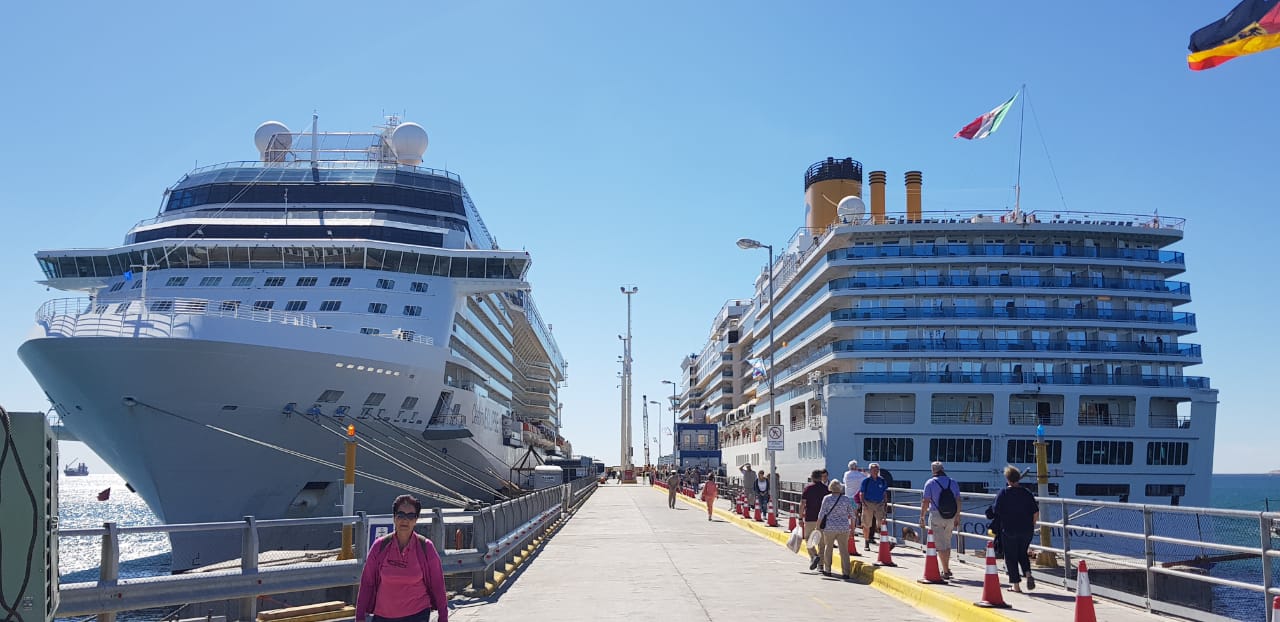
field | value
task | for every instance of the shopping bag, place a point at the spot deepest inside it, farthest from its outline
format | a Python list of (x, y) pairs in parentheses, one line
[(796, 539), (815, 539)]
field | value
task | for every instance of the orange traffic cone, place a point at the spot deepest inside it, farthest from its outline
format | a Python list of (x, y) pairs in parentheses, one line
[(791, 523), (931, 572), (991, 596), (853, 545), (1275, 610), (746, 509), (773, 515), (1084, 597), (885, 558)]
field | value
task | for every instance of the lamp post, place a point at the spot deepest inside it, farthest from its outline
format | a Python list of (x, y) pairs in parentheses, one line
[(748, 244), (628, 471), (674, 437)]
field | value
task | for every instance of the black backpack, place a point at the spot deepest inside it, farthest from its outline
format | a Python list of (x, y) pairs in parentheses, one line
[(947, 501)]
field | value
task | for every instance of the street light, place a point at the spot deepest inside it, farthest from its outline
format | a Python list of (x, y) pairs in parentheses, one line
[(628, 471), (749, 244), (674, 437)]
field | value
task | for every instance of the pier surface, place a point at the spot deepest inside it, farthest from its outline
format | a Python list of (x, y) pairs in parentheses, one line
[(625, 555)]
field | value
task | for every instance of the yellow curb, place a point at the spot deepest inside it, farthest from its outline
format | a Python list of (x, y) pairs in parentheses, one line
[(917, 595), (500, 576)]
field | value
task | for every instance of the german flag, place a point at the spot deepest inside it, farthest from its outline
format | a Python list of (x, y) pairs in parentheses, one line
[(1252, 26)]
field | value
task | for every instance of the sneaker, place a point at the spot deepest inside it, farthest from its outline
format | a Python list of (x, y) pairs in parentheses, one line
[(814, 560), (946, 574), (867, 547), (1031, 582)]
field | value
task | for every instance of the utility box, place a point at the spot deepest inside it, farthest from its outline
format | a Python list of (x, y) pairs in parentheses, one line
[(546, 476), (37, 450)]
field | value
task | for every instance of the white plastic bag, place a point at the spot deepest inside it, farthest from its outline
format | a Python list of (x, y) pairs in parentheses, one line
[(796, 539), (815, 540)]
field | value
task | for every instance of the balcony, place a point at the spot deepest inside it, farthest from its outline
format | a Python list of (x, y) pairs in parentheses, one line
[(889, 416), (1050, 418), (1179, 382), (960, 418), (1010, 281), (1006, 250), (1022, 313), (1187, 350), (1107, 420)]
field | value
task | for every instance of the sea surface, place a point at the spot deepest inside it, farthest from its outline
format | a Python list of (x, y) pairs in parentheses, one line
[(148, 554)]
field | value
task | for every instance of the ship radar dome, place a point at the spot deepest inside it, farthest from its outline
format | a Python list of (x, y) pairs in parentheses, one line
[(409, 142), (851, 209), (272, 139)]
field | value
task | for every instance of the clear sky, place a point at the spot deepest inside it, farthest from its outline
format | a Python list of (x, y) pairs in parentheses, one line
[(634, 142)]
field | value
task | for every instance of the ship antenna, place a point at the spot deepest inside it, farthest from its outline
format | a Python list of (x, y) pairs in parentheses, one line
[(1017, 188)]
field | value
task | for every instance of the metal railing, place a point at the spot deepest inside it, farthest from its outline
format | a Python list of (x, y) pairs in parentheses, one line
[(498, 533)]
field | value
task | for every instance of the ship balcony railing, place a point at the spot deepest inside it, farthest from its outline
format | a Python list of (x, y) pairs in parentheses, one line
[(1004, 280), (1032, 218), (77, 312), (960, 418), (1005, 250), (328, 216), (1170, 421), (1050, 419), (889, 416), (959, 377), (951, 344), (1027, 313), (324, 164), (1107, 420)]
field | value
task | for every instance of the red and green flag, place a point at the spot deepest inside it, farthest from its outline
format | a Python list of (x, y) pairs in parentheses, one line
[(984, 125), (1252, 26)]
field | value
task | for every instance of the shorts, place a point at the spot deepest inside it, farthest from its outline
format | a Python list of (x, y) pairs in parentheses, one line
[(872, 511), (942, 530)]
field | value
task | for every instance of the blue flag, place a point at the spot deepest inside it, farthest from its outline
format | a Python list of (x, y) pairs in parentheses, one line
[(128, 276)]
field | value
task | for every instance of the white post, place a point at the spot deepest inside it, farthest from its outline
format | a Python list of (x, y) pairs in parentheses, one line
[(774, 484), (315, 148)]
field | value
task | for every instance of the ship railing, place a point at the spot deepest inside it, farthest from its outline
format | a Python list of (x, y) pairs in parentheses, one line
[(1007, 280), (325, 164), (1023, 313), (331, 217), (1026, 378), (1167, 559), (77, 315), (470, 543)]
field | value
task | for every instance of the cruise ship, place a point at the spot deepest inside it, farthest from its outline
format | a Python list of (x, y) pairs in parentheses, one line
[(216, 358), (908, 337)]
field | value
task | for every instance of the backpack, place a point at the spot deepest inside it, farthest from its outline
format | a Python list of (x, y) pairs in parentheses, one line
[(947, 501)]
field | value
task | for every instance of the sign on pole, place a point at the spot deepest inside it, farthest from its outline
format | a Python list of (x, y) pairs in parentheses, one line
[(774, 437)]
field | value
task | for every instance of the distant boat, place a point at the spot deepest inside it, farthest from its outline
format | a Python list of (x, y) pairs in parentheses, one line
[(76, 471)]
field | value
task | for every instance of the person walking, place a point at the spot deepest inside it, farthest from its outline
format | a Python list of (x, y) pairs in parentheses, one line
[(709, 493), (834, 518), (940, 511), (403, 579), (873, 505), (762, 492), (810, 504), (852, 484), (673, 485), (748, 482), (1017, 510)]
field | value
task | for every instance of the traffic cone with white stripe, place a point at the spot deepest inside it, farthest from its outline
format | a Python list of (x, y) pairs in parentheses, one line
[(1275, 610), (757, 513), (1084, 597), (791, 523), (991, 596), (931, 572), (885, 558), (773, 515)]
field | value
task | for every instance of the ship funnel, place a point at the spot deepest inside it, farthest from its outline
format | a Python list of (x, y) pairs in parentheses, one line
[(273, 141), (877, 179), (914, 179), (825, 184)]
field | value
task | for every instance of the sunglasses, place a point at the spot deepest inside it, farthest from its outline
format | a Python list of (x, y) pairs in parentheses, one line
[(407, 515)]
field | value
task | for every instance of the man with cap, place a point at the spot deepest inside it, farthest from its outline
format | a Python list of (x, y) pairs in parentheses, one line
[(931, 513)]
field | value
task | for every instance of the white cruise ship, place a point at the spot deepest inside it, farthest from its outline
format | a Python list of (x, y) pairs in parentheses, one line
[(217, 356), (918, 336)]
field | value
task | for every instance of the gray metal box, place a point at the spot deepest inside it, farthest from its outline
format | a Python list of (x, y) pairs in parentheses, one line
[(38, 450)]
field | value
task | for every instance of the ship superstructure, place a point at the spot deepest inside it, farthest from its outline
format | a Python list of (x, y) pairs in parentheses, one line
[(221, 350), (911, 337)]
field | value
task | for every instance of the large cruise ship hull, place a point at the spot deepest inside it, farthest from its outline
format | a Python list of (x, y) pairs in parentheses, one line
[(203, 431)]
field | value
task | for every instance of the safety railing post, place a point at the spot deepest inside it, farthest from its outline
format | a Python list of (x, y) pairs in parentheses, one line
[(1149, 552), (249, 565), (1264, 533), (437, 530), (109, 564), (362, 537), (1066, 545)]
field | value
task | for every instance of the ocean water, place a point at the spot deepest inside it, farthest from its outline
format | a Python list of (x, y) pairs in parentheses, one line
[(148, 554)]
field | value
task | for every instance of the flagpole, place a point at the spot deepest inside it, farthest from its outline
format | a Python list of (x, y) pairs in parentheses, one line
[(1017, 188)]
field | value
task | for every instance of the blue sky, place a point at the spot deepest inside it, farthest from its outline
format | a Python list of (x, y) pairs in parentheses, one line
[(634, 142)]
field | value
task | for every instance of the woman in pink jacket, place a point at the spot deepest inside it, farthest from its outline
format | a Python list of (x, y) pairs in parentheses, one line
[(402, 579), (709, 493)]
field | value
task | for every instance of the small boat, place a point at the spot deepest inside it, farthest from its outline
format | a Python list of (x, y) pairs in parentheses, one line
[(76, 471)]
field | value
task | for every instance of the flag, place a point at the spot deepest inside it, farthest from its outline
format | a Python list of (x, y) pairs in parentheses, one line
[(757, 368), (984, 125), (104, 495), (128, 275), (1252, 26)]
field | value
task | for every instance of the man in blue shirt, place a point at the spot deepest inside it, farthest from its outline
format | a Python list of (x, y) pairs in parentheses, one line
[(931, 516), (873, 507)]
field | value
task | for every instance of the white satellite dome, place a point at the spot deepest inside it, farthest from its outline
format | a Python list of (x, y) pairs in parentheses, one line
[(851, 209), (262, 137), (409, 142)]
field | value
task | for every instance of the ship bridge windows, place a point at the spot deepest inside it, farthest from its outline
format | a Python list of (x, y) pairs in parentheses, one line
[(960, 449), (340, 281), (176, 281)]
